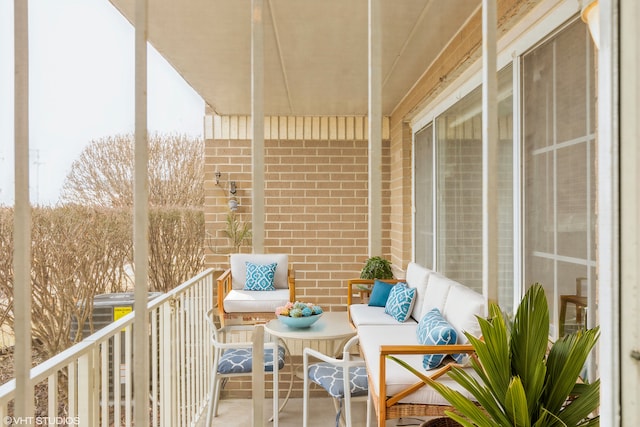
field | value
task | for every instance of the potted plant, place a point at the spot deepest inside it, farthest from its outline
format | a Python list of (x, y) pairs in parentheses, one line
[(376, 268), (523, 382)]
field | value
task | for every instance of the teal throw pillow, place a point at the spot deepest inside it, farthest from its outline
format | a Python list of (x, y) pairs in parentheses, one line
[(400, 302), (380, 293), (433, 329), (260, 277)]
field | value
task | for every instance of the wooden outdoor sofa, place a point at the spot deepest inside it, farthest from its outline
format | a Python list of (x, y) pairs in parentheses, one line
[(395, 391)]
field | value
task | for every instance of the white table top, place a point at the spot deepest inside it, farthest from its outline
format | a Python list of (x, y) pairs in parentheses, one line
[(332, 325)]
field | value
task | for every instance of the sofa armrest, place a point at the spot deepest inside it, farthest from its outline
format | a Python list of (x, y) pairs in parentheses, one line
[(394, 350), (224, 286), (353, 283), (291, 280), (350, 285), (426, 349)]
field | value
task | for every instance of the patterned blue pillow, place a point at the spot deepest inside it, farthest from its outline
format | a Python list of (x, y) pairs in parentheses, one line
[(400, 302), (260, 277), (434, 330)]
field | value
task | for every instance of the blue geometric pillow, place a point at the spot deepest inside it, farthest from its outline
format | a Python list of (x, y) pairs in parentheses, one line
[(400, 302), (260, 277), (434, 330)]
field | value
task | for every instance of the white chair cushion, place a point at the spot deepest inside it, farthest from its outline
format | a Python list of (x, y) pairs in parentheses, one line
[(239, 268), (397, 377), (363, 314), (239, 301), (417, 277)]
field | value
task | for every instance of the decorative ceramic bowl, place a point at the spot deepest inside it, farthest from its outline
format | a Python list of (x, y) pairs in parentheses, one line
[(300, 322)]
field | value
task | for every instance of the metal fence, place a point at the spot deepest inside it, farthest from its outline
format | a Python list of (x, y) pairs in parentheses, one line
[(91, 384)]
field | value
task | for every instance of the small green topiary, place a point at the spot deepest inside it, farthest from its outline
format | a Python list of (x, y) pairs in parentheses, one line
[(376, 268)]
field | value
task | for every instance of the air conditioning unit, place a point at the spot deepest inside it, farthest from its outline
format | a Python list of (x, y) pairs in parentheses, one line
[(108, 308)]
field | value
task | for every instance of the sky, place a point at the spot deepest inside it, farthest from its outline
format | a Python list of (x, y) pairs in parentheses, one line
[(81, 88)]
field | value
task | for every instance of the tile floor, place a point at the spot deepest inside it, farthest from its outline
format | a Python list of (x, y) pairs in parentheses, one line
[(238, 412)]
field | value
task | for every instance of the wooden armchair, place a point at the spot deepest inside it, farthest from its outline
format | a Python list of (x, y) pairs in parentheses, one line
[(252, 296)]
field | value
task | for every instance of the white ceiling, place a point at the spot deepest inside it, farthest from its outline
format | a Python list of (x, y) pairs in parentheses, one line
[(315, 50)]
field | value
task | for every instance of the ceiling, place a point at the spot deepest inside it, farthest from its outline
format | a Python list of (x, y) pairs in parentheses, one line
[(315, 51)]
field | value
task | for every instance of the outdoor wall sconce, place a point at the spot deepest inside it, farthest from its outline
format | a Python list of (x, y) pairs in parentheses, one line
[(591, 16), (233, 202)]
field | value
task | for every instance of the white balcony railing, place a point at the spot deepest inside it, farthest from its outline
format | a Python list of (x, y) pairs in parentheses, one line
[(90, 384)]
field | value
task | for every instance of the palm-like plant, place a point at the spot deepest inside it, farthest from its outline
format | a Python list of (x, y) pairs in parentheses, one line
[(518, 382)]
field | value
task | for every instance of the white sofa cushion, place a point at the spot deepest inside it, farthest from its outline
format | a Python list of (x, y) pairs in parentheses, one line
[(461, 309), (239, 268), (437, 293), (239, 301), (397, 377), (363, 314), (417, 277)]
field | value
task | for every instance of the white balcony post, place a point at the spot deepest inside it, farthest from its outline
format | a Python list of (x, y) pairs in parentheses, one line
[(489, 152), (620, 299), (141, 223), (257, 115), (375, 129), (22, 216), (168, 397), (87, 393)]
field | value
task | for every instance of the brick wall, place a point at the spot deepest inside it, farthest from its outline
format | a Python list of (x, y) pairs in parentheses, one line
[(315, 200)]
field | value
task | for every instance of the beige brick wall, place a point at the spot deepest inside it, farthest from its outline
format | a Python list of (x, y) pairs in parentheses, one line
[(315, 205)]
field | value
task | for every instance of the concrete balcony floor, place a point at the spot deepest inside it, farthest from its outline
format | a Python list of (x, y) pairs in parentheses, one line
[(237, 412)]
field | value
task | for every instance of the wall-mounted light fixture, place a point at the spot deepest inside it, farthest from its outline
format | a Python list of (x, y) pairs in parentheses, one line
[(591, 16), (233, 202)]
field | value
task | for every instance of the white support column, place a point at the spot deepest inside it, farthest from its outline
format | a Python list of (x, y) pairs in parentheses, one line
[(141, 223), (489, 152), (22, 216), (375, 129), (257, 114), (621, 298)]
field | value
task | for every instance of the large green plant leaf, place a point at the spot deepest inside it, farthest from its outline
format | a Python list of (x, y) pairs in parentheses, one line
[(529, 339), (484, 395), (493, 353), (516, 404), (565, 362), (586, 402)]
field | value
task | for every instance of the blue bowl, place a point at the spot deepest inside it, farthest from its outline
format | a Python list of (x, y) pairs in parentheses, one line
[(299, 322)]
